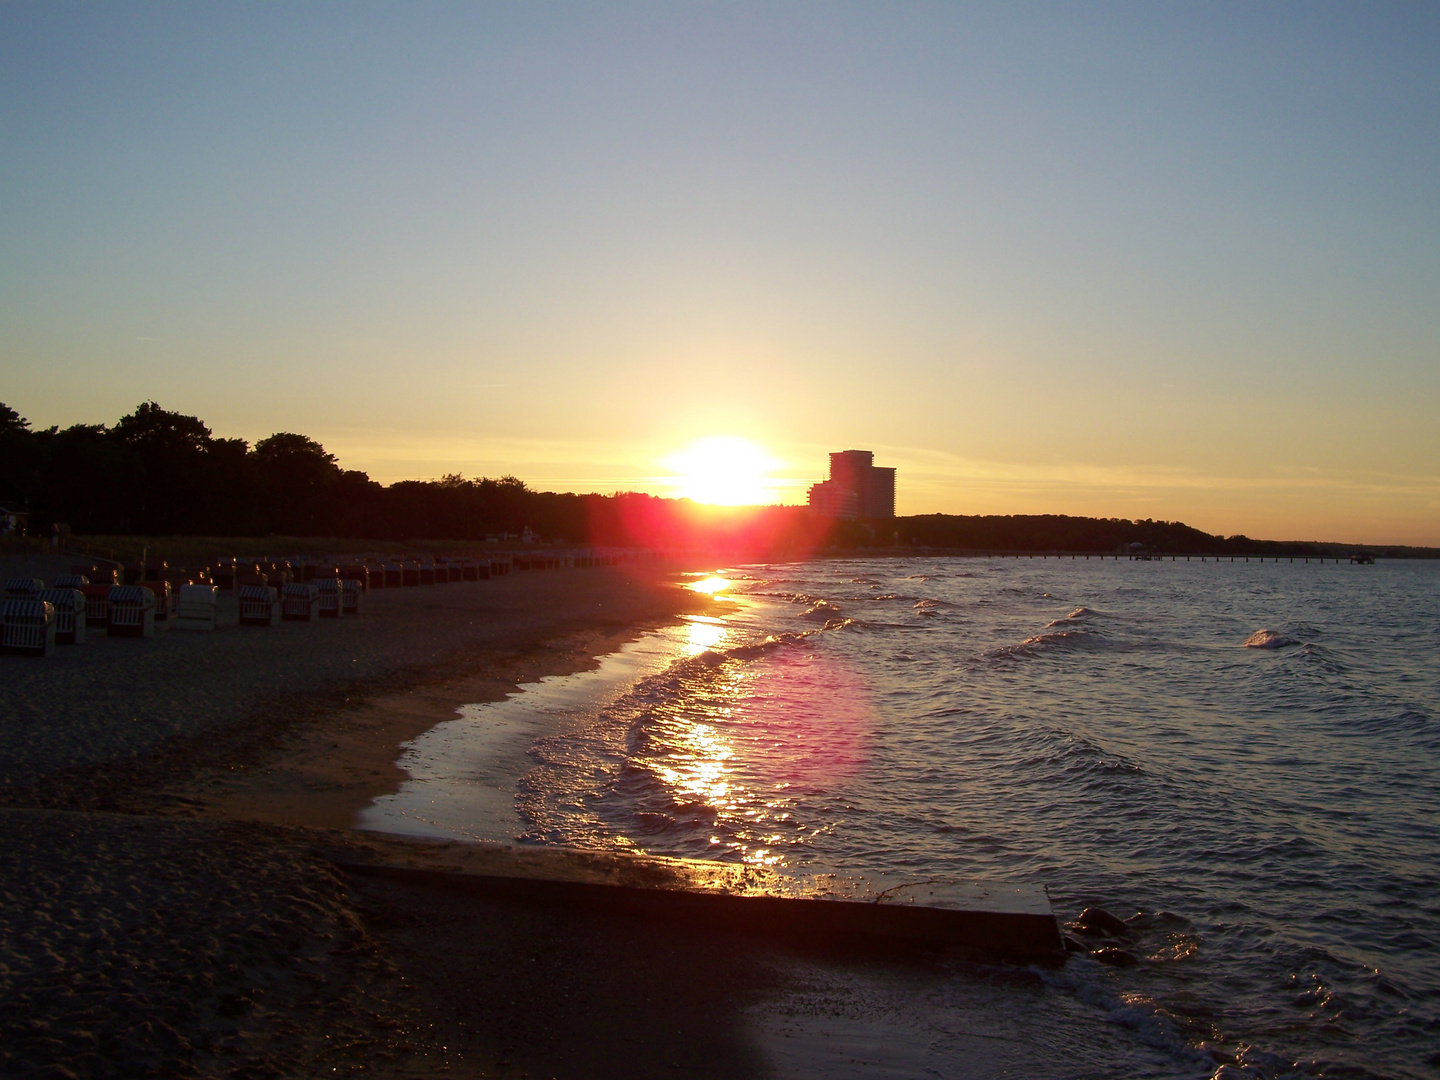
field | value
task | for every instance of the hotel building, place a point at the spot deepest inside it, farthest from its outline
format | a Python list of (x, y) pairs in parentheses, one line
[(856, 488)]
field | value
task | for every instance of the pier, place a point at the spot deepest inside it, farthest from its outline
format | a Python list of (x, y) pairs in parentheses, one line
[(1140, 556)]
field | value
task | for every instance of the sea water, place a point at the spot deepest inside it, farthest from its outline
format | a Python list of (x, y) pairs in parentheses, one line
[(1240, 760)]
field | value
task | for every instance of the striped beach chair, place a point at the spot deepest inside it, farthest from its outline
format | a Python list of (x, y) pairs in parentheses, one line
[(23, 588), (69, 605), (27, 626), (132, 611), (351, 590), (259, 605), (300, 602), (97, 604), (328, 590)]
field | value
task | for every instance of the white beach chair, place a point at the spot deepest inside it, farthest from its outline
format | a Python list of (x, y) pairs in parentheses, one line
[(197, 606)]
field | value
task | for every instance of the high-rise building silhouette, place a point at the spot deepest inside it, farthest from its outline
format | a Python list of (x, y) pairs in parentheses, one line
[(856, 488)]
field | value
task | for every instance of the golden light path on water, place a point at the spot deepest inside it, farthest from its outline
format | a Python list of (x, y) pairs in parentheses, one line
[(730, 746)]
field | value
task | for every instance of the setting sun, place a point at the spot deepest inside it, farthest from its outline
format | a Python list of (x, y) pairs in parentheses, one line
[(724, 470)]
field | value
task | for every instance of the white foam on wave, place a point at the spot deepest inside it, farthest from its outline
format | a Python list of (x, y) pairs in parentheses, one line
[(822, 611)]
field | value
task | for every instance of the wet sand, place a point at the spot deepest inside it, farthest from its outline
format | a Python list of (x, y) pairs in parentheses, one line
[(172, 903)]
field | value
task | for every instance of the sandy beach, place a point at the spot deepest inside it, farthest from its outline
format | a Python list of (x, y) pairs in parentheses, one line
[(167, 909), (177, 813)]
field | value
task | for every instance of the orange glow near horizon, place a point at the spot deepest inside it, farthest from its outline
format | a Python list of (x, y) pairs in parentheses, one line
[(724, 470)]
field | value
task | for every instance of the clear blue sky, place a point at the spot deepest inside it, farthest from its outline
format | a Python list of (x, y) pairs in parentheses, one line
[(1150, 260)]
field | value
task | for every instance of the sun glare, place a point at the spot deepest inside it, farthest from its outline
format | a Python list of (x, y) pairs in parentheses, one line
[(709, 585), (723, 470)]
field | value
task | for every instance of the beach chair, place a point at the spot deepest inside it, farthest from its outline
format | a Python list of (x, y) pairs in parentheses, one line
[(196, 609), (27, 626), (395, 575), (351, 590), (132, 612), (224, 574), (411, 572), (300, 602), (71, 581), (97, 604), (23, 588), (356, 572), (69, 605), (328, 591), (164, 598), (259, 605)]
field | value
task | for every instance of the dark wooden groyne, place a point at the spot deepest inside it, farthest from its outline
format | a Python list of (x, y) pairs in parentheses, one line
[(983, 919)]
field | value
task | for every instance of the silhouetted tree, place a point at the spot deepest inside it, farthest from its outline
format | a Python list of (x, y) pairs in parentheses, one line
[(93, 480), (173, 451), (21, 458), (296, 476)]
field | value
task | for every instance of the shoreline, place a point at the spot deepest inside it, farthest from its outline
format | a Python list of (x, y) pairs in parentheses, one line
[(326, 775), (94, 724), (177, 899)]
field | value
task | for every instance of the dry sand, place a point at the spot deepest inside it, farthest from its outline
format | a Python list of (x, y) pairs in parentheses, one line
[(171, 904)]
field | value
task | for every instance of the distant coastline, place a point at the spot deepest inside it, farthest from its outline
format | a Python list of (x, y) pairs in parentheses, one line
[(156, 476)]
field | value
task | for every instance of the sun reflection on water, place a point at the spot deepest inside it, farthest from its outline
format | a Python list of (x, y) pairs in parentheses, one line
[(705, 635), (709, 585), (733, 746)]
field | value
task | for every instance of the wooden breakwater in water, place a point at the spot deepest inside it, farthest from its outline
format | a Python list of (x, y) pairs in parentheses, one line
[(982, 918)]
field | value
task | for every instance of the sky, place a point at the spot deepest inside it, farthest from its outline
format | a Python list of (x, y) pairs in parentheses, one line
[(1175, 261)]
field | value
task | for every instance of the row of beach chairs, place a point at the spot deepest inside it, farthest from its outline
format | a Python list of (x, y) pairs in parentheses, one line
[(34, 618), (128, 602)]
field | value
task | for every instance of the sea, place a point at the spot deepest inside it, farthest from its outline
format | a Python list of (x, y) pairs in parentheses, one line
[(1238, 761)]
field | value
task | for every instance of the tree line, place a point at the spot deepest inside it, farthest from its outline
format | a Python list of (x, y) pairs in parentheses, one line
[(161, 473)]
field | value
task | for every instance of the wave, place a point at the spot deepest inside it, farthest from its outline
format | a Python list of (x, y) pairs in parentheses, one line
[(1268, 639), (1051, 639), (1040, 644), (1077, 615)]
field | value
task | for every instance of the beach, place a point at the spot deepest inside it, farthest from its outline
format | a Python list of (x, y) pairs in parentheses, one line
[(176, 812), (167, 906), (253, 852)]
